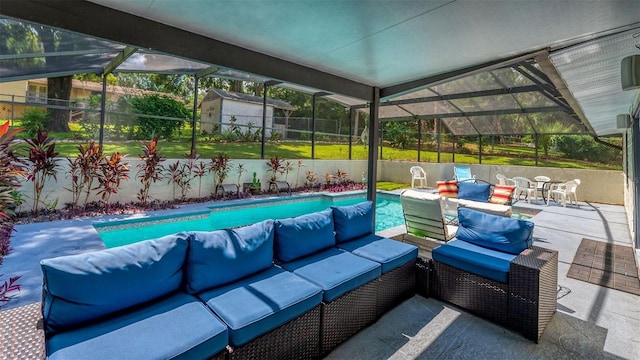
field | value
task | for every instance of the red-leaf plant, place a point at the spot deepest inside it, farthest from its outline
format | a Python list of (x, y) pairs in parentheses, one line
[(150, 170), (11, 168), (8, 286), (113, 171), (84, 170), (276, 166), (42, 164)]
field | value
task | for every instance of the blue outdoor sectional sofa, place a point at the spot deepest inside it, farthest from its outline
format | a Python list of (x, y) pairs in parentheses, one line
[(285, 289), (278, 289)]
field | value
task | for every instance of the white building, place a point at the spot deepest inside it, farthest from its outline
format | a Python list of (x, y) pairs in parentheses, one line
[(219, 106)]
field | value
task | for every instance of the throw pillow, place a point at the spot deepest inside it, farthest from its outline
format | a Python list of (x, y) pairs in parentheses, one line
[(502, 194), (471, 191), (448, 188)]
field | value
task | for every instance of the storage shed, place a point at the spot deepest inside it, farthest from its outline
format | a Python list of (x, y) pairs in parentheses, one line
[(219, 106)]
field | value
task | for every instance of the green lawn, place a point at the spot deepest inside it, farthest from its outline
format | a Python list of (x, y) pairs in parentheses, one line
[(174, 149)]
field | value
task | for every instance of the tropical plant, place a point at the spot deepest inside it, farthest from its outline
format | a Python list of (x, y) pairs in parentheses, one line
[(220, 166), (240, 170), (327, 178), (6, 229), (9, 286), (181, 173), (151, 169), (276, 166), (42, 164), (84, 170), (255, 183), (311, 177), (114, 170), (300, 164), (199, 171), (11, 168), (341, 176), (288, 166)]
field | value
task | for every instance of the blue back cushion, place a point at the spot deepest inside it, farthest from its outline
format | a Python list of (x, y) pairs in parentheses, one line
[(494, 232), (471, 191), (222, 256), (354, 221), (80, 288), (304, 235)]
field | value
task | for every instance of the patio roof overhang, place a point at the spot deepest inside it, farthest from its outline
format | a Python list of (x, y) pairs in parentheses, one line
[(483, 68)]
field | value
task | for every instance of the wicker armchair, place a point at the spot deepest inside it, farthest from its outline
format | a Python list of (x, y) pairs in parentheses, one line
[(524, 304)]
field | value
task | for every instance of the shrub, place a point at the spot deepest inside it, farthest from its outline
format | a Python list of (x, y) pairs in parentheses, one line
[(34, 120), (584, 148), (156, 105)]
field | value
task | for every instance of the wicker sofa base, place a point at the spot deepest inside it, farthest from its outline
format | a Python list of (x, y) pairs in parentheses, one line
[(347, 315), (396, 286), (484, 297), (526, 304), (297, 339)]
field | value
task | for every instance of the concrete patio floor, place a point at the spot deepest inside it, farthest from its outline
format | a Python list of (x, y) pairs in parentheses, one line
[(592, 322)]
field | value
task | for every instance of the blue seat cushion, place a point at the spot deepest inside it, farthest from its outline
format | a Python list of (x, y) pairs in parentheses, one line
[(260, 303), (353, 221), (176, 326), (80, 288), (475, 259), (389, 253), (335, 271), (304, 235), (223, 256), (469, 190), (494, 232)]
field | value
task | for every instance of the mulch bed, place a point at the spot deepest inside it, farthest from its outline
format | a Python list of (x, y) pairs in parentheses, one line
[(607, 265)]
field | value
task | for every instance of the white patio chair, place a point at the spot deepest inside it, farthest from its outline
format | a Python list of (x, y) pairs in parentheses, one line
[(503, 180), (417, 173), (524, 185), (564, 191), (424, 215)]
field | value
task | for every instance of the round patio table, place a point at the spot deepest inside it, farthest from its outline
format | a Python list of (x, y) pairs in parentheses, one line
[(546, 187)]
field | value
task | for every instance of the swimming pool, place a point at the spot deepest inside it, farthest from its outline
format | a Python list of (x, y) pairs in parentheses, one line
[(227, 215)]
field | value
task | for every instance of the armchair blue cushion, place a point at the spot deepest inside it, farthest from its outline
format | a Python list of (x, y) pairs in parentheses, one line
[(470, 190), (177, 327), (353, 221), (85, 287), (494, 232), (475, 259), (304, 235), (222, 256)]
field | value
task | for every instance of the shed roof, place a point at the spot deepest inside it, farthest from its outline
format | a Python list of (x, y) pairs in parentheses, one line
[(222, 94)]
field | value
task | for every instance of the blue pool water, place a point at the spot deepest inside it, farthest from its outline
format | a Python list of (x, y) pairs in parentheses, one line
[(388, 214)]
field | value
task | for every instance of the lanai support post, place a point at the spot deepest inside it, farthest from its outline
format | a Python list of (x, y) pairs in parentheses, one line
[(372, 164), (313, 126), (535, 139), (419, 138), (351, 115), (480, 149), (103, 109), (195, 117), (438, 136)]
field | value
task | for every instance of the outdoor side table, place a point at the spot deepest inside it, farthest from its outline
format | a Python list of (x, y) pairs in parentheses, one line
[(533, 285)]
